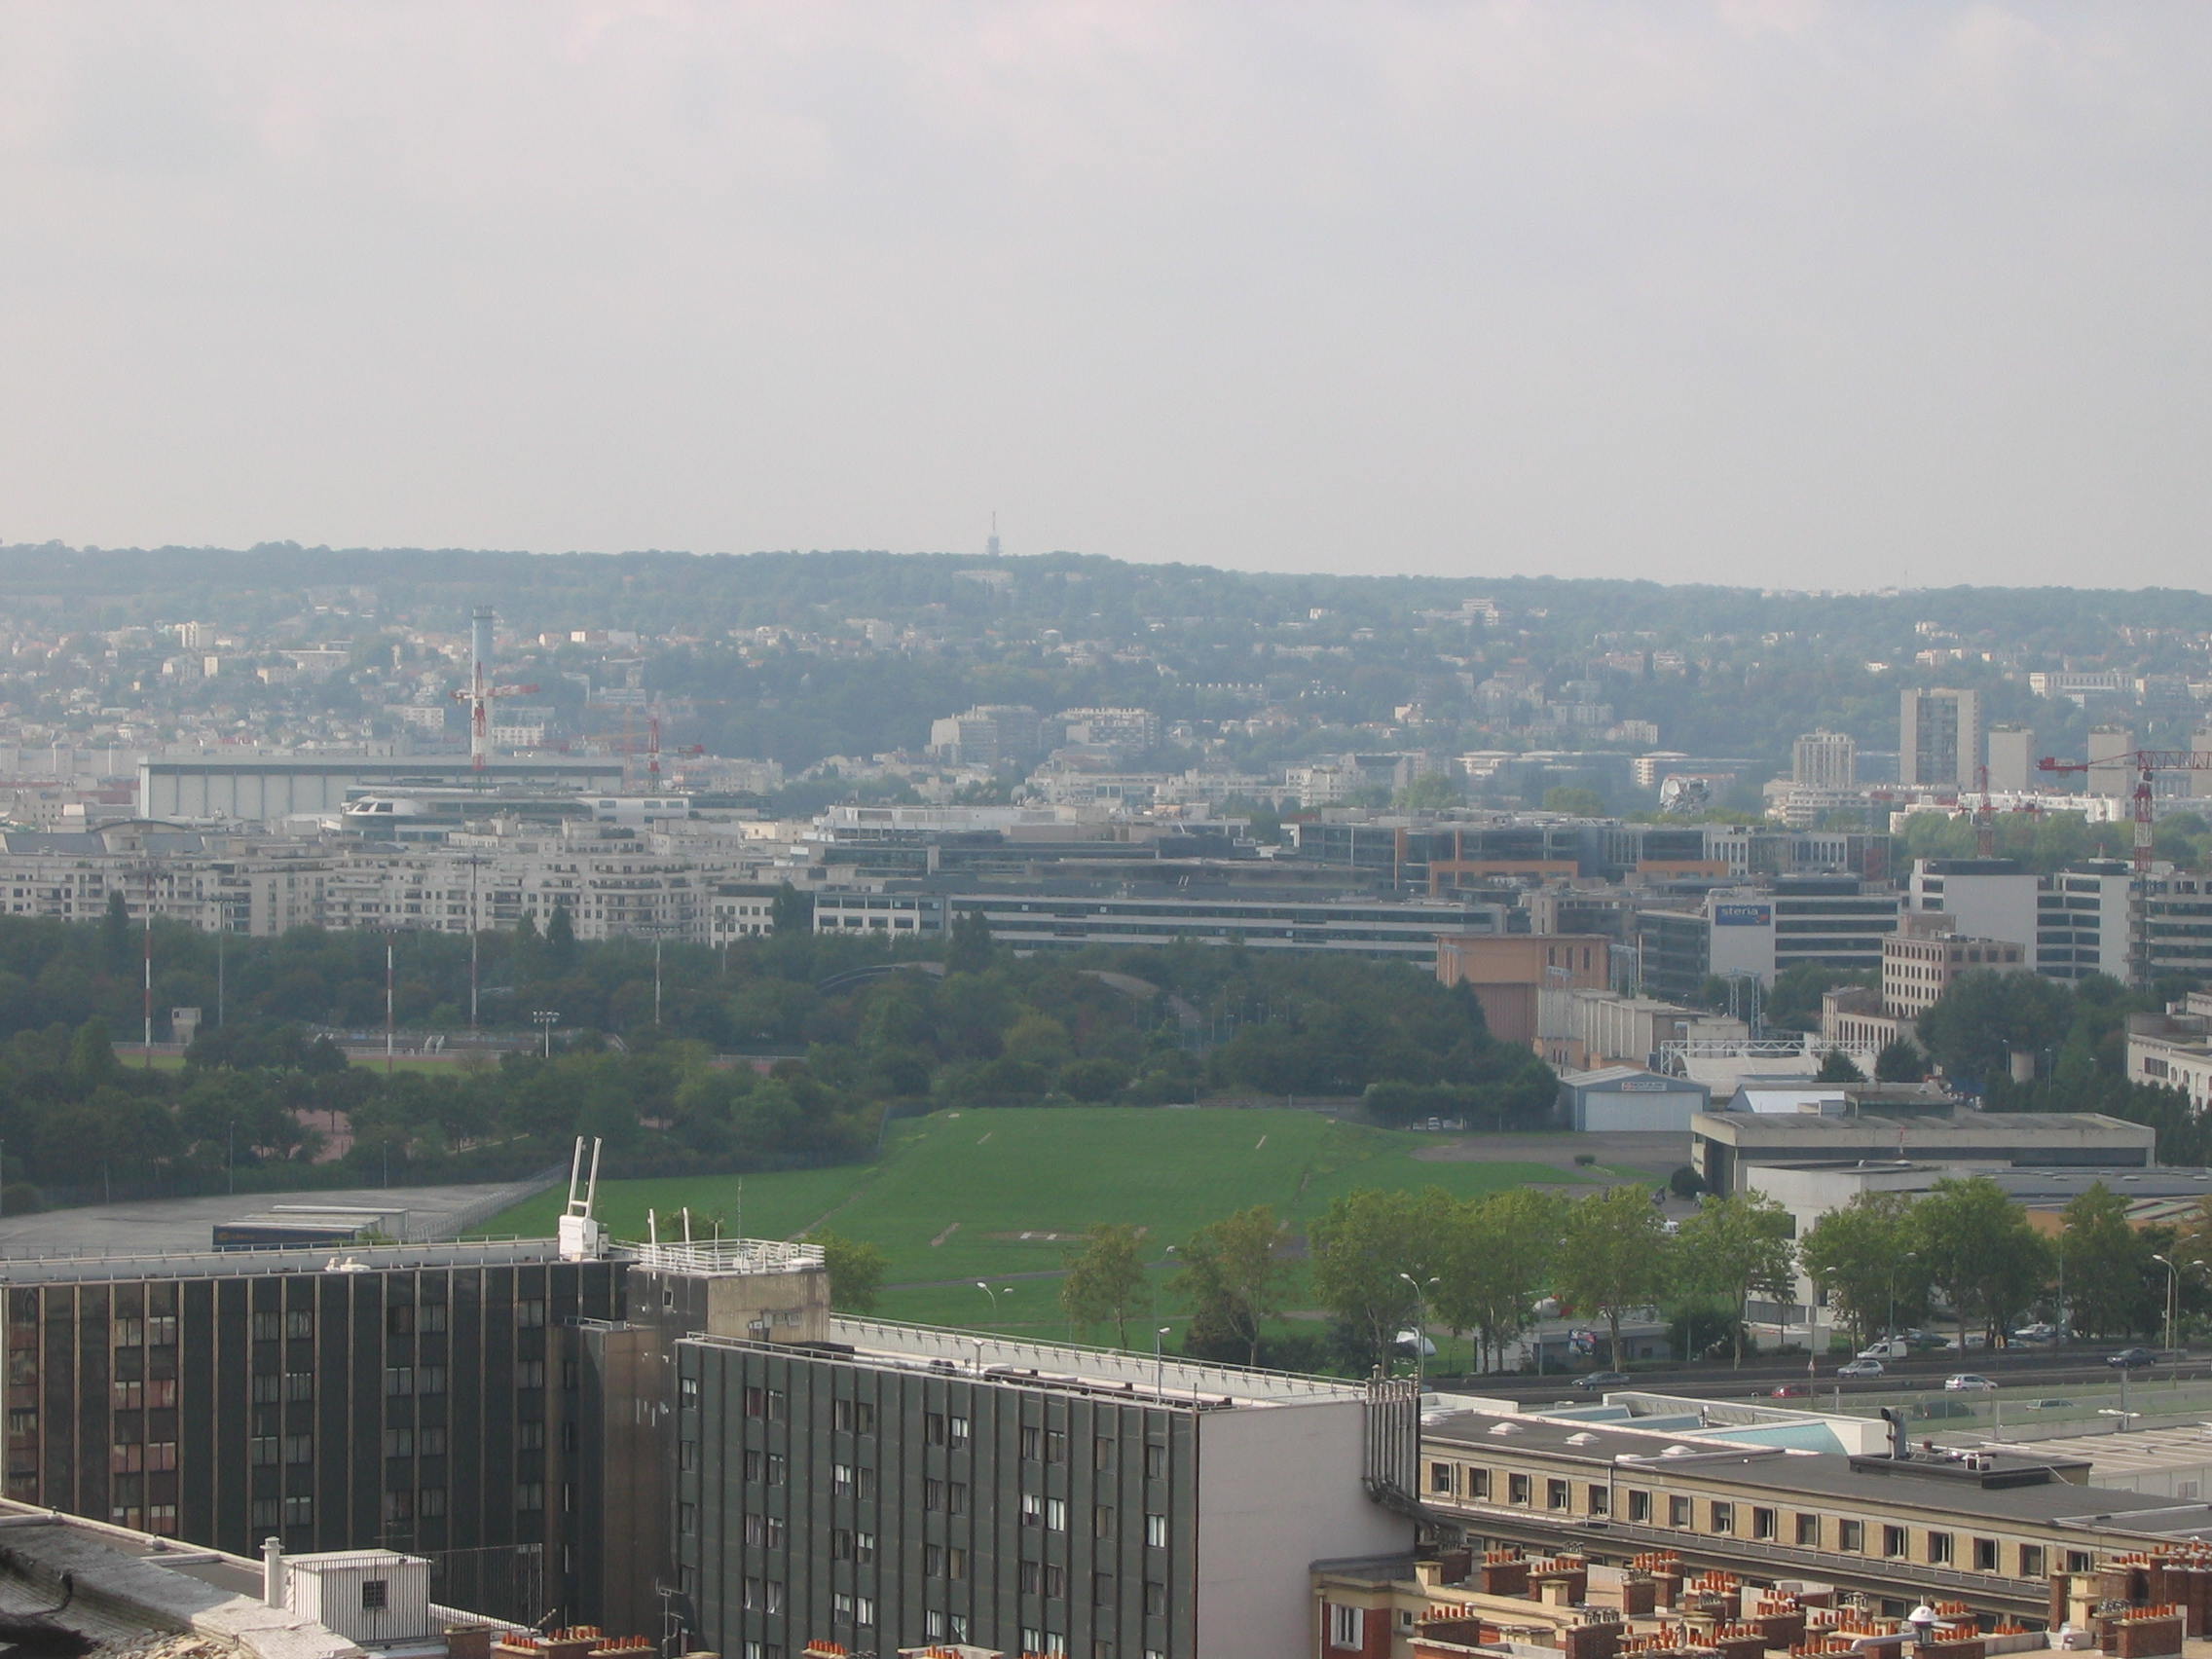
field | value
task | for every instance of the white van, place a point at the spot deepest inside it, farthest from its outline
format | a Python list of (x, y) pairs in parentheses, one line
[(1886, 1347)]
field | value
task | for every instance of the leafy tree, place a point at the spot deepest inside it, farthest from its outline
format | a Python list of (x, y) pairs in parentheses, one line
[(790, 913), (2108, 1266), (1614, 1257), (1374, 1253), (1574, 802), (1431, 792), (1106, 1281), (969, 949), (1497, 1254), (1900, 1062), (1861, 1257), (1793, 1001), (856, 1272), (1837, 1067), (1973, 1027), (561, 937), (1684, 1182), (115, 934), (1232, 1282), (1980, 1251), (91, 1055), (1734, 1248)]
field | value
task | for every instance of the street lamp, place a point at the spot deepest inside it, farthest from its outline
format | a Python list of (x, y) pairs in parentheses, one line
[(1421, 1327), (2173, 1293), (545, 1019), (1159, 1363)]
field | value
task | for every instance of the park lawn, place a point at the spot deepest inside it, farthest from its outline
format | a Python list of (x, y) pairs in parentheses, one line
[(961, 1196)]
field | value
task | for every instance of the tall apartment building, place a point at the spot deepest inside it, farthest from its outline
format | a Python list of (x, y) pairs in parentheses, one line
[(1824, 760), (990, 734), (1938, 737), (2012, 759)]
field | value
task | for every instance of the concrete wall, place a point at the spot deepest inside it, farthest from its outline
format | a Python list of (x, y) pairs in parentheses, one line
[(1279, 1488)]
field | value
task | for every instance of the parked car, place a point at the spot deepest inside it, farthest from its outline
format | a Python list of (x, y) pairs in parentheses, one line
[(1885, 1347), (2132, 1359), (1601, 1380), (2041, 1331), (1861, 1368), (1790, 1391), (1967, 1383), (1974, 1340)]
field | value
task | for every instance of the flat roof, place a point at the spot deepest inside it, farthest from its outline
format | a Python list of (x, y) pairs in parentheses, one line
[(240, 1264), (1936, 1127), (1061, 1367)]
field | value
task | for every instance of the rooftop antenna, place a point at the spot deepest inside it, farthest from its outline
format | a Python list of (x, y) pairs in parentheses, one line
[(991, 547)]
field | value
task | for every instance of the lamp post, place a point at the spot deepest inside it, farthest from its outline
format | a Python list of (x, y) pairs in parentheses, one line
[(547, 1018), (1421, 1327), (2173, 1295), (1159, 1363)]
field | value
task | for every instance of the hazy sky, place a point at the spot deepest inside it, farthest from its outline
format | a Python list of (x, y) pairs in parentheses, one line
[(1782, 293)]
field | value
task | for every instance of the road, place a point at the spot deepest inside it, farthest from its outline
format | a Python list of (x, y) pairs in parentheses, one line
[(2015, 1371)]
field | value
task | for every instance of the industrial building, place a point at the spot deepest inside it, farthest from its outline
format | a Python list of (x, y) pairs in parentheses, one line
[(263, 789)]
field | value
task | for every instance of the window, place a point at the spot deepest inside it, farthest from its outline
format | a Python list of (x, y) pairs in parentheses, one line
[(688, 1455), (775, 1468), (400, 1379), (1154, 1462), (956, 1565), (956, 1497), (529, 1315), (933, 1565), (1985, 1554), (1678, 1512), (2077, 1561), (1031, 1576), (431, 1440), (864, 1609), (689, 1390), (299, 1511), (1102, 1521), (933, 1498), (1893, 1543), (1156, 1532), (1032, 1506), (1347, 1625), (264, 1387), (840, 1543), (1440, 1477), (1809, 1531), (530, 1437), (127, 1394), (840, 1480), (1155, 1597), (2031, 1561), (1851, 1536), (1517, 1489), (267, 1327), (1640, 1506), (1600, 1502), (1941, 1547), (299, 1323), (1762, 1523), (1478, 1481), (431, 1503), (299, 1447), (1724, 1517), (1555, 1494), (863, 1550), (299, 1385), (399, 1321), (22, 1420), (959, 1426), (431, 1318), (1032, 1444), (267, 1513), (1056, 1446), (933, 1427), (264, 1450), (530, 1494), (688, 1521), (161, 1391), (530, 1374), (398, 1506), (1101, 1452), (1055, 1514)]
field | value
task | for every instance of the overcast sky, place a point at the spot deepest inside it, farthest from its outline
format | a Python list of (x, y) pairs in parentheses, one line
[(1788, 294)]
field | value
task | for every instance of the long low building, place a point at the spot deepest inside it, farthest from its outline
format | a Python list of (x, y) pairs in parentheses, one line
[(262, 789), (1724, 1143)]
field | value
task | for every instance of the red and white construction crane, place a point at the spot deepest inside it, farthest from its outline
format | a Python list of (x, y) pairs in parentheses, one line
[(2146, 762), (480, 692)]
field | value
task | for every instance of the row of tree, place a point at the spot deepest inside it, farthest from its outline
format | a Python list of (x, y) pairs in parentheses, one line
[(1383, 1263)]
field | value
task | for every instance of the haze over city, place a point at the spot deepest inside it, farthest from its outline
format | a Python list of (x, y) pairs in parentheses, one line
[(1779, 294)]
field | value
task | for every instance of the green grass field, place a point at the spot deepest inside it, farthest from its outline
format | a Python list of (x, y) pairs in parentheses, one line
[(988, 1195)]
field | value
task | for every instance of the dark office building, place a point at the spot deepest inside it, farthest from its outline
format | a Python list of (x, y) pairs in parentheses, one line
[(409, 1398)]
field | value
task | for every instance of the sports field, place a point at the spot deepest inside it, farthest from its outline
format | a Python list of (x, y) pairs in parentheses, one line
[(995, 1194)]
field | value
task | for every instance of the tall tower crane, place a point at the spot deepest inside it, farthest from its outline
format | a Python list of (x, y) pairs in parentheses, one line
[(2146, 761), (480, 692)]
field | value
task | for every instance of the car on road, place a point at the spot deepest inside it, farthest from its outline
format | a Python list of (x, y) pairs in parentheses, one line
[(1790, 1391), (2042, 1331), (1601, 1380), (1967, 1383), (2132, 1359), (1861, 1368)]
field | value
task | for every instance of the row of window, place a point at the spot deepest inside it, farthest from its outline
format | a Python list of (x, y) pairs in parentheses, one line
[(1727, 1518)]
